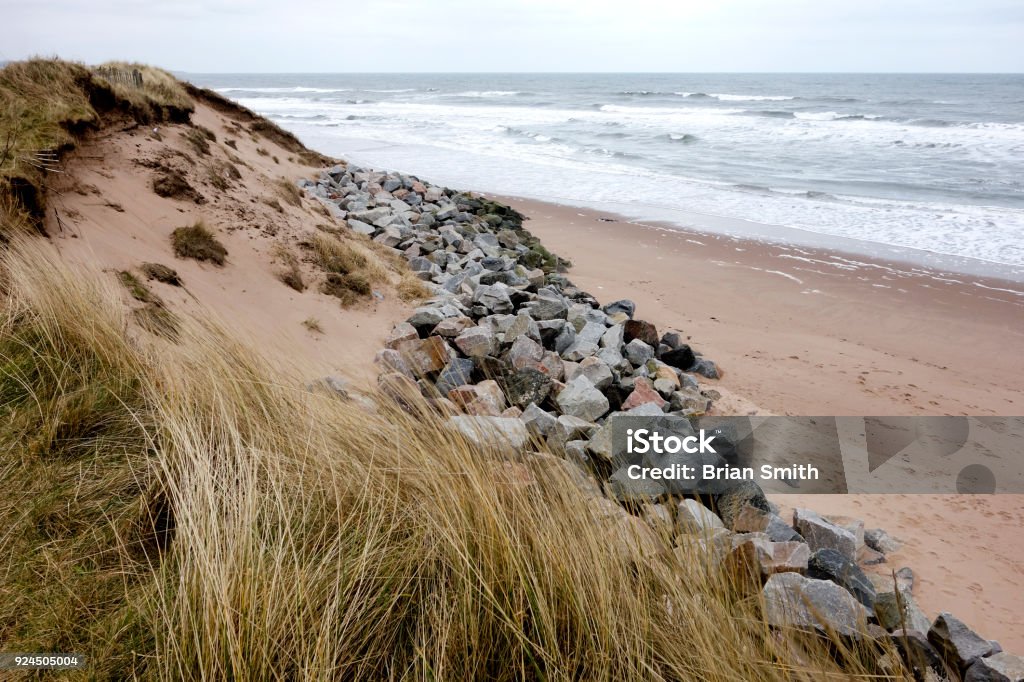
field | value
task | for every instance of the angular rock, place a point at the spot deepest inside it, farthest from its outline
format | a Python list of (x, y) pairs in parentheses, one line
[(492, 431), (538, 421), (477, 341), (706, 368), (456, 373), (821, 533), (828, 564), (880, 541), (958, 645), (897, 609), (638, 352), (624, 306), (672, 339), (523, 325), (594, 369), (644, 393), (735, 497), (425, 318), (528, 386), (483, 399), (525, 352), (569, 428), (613, 337), (640, 329), (425, 356), (920, 656), (400, 334), (1001, 667), (580, 398), (550, 305), (494, 297), (681, 358), (694, 517), (451, 327), (791, 600), (579, 350), (751, 519)]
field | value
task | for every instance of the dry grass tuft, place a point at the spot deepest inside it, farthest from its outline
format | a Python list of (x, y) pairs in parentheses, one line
[(291, 275), (288, 191), (312, 324), (161, 273), (199, 243), (410, 288), (137, 288)]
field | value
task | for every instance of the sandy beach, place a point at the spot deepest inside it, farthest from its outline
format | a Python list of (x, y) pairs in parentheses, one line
[(806, 332)]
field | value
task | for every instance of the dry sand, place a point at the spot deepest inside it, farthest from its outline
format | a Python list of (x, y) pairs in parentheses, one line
[(806, 332), (111, 216)]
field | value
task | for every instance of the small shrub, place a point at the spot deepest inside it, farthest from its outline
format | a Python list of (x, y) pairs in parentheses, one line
[(135, 287), (161, 273), (199, 243), (411, 289), (274, 204), (289, 191), (313, 325), (199, 140), (262, 152), (232, 144), (347, 288), (171, 184)]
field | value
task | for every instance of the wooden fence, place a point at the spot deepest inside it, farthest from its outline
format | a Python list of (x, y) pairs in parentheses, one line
[(130, 77)]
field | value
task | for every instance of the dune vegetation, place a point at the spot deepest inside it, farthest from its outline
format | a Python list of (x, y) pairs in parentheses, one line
[(179, 506)]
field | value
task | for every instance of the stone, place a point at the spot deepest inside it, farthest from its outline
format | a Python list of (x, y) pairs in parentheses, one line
[(850, 523), (629, 490), (694, 517), (624, 306), (456, 373), (500, 432), (549, 305), (390, 360), (398, 387), (922, 659), (579, 350), (483, 399), (822, 534), (591, 332), (828, 564), (706, 368), (425, 356), (665, 387), (897, 609), (332, 385), (401, 333), (638, 352), (869, 557), (787, 557), (525, 352), (477, 342), (644, 393), (672, 339), (958, 645), (528, 386), (880, 541), (1001, 667), (613, 337), (451, 327), (640, 329), (751, 519), (735, 497), (360, 227), (594, 369), (791, 600), (565, 339), (581, 398), (569, 428), (523, 325), (425, 318), (539, 422), (494, 297), (681, 358)]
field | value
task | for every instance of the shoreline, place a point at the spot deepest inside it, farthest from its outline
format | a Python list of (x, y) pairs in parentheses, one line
[(793, 326)]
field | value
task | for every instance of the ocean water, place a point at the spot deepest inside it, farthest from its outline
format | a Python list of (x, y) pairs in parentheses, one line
[(926, 164)]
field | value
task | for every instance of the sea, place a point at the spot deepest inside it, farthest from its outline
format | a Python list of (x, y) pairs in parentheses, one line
[(922, 168)]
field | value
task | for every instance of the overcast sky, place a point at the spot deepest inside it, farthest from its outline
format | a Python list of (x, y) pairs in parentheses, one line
[(524, 35)]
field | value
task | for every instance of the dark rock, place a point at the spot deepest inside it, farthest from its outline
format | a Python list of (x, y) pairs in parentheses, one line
[(528, 386), (828, 564), (880, 541), (680, 358), (821, 533), (706, 368), (457, 372), (623, 306), (920, 656), (738, 495), (672, 339), (640, 329), (958, 644)]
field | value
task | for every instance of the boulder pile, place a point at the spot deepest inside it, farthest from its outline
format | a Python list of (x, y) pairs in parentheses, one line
[(513, 355)]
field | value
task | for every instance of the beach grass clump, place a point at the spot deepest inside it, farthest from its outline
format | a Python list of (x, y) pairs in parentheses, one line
[(161, 273), (137, 288), (199, 243), (291, 274), (175, 526), (348, 288), (288, 191), (411, 288)]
